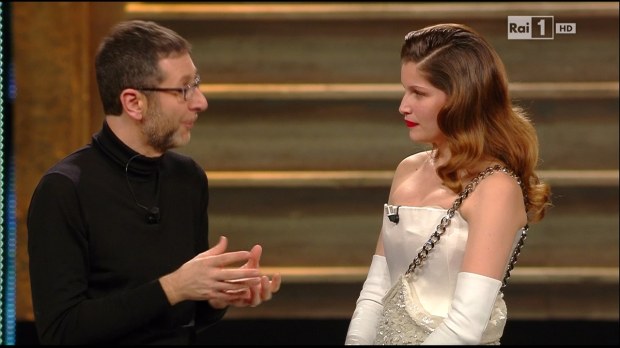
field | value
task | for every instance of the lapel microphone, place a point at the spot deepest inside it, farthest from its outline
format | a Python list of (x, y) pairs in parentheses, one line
[(152, 214), (393, 215)]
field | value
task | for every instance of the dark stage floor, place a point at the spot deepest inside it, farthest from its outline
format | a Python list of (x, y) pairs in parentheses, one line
[(332, 332)]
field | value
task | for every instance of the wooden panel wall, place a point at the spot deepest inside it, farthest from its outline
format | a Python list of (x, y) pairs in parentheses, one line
[(56, 106)]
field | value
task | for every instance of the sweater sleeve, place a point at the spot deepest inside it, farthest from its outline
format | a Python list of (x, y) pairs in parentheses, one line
[(59, 263)]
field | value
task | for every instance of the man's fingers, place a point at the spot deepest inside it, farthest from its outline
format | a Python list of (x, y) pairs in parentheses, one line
[(230, 258), (266, 289), (255, 253), (217, 249), (276, 280), (240, 276), (245, 282)]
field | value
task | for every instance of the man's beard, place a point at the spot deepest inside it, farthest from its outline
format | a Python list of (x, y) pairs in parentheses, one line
[(159, 134)]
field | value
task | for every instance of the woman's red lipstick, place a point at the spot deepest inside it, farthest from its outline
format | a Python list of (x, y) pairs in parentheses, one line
[(410, 124)]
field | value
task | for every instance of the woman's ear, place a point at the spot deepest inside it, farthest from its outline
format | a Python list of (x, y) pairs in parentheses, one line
[(134, 103)]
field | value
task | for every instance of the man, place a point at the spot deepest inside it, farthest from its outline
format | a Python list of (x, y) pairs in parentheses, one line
[(118, 230)]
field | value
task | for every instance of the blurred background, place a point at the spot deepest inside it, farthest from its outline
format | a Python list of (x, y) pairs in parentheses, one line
[(303, 133)]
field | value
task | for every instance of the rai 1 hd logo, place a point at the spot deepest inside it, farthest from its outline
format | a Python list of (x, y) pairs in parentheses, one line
[(537, 28)]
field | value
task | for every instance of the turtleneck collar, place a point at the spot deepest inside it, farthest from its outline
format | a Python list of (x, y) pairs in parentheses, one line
[(106, 141)]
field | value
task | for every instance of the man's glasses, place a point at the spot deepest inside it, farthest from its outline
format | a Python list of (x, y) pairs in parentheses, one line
[(187, 91)]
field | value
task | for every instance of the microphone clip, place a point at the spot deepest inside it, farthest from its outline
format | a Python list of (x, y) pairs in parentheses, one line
[(153, 216), (393, 215)]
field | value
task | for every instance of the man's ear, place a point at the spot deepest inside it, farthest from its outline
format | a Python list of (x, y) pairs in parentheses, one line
[(134, 103)]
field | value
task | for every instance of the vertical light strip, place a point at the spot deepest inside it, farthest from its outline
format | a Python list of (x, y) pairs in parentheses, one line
[(2, 230), (7, 201)]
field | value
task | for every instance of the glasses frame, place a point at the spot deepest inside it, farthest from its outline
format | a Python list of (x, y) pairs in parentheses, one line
[(183, 90)]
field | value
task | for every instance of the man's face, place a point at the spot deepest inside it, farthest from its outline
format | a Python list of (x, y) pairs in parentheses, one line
[(169, 118)]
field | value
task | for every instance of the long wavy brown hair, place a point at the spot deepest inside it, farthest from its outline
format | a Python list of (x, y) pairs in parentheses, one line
[(479, 120)]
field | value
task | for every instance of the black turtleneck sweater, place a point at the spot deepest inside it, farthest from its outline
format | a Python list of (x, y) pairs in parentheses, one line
[(95, 259)]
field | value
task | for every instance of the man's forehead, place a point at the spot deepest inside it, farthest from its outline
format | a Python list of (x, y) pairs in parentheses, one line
[(177, 68)]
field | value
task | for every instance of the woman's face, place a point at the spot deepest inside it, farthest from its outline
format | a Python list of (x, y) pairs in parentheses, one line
[(420, 106)]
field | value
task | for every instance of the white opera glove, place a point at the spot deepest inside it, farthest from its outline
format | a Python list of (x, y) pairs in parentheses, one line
[(470, 311), (363, 325)]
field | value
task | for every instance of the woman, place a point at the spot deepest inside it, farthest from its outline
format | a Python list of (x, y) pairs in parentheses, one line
[(456, 100)]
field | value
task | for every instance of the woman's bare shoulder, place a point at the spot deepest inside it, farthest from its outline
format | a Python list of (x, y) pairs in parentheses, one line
[(413, 162)]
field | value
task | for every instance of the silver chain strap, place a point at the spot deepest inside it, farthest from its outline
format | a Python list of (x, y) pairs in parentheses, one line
[(445, 221)]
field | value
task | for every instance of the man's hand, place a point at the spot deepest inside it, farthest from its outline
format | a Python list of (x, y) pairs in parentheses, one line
[(211, 276), (266, 288)]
